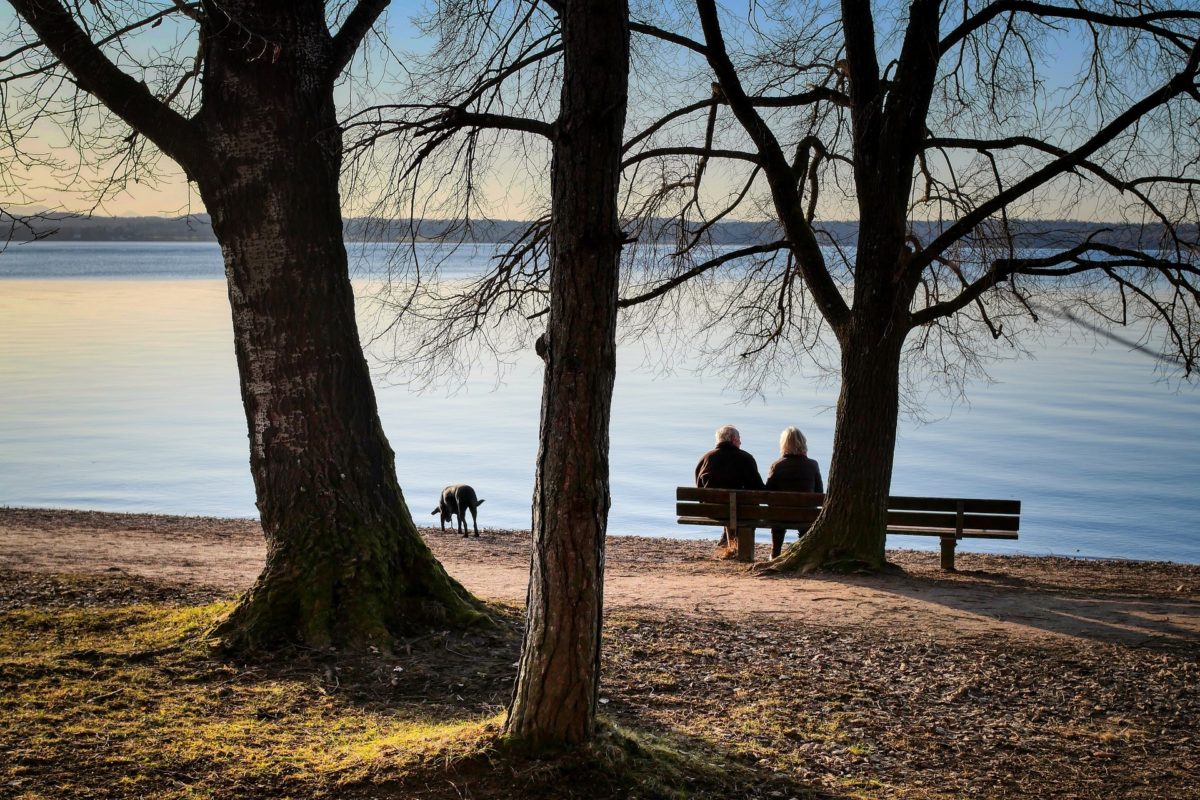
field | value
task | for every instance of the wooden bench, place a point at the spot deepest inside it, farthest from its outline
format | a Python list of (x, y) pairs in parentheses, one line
[(949, 518)]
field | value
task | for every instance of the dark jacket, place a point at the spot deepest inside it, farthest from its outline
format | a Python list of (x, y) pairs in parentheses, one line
[(728, 467), (795, 474)]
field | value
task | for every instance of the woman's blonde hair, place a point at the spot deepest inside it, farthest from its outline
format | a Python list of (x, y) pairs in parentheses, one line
[(792, 442)]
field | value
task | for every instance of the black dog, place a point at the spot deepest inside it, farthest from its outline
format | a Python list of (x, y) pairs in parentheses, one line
[(458, 499)]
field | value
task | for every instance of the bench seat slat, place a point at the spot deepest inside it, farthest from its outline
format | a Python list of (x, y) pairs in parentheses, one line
[(701, 521), (758, 515), (968, 533), (802, 499), (893, 530), (746, 512), (917, 519), (950, 504)]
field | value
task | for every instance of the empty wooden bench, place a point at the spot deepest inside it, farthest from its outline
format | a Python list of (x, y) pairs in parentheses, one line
[(948, 518)]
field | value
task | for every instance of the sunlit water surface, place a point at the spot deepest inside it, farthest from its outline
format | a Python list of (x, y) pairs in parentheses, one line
[(118, 391)]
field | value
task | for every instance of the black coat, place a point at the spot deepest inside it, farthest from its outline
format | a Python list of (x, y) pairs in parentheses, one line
[(728, 467), (795, 474)]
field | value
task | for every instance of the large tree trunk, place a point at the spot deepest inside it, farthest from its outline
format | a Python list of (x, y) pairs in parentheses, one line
[(557, 685), (850, 532), (345, 564)]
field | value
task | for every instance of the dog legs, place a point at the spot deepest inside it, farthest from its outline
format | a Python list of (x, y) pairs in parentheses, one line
[(455, 502)]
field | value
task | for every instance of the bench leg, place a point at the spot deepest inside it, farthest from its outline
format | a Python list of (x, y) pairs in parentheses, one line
[(745, 538), (948, 545)]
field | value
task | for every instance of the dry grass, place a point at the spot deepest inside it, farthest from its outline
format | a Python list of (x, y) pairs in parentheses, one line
[(108, 690)]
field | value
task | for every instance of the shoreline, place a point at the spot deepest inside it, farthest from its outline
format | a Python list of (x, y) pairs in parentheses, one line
[(1023, 597), (761, 542)]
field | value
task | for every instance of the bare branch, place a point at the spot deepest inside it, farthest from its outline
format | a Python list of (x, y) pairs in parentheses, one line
[(1047, 266), (667, 36), (700, 269), (357, 25), (703, 152), (777, 169), (96, 74), (1183, 82), (1047, 11)]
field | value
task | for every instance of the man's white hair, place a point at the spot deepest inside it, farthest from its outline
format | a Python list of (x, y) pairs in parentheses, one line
[(727, 433)]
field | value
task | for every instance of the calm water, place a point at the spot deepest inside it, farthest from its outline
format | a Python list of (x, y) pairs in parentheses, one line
[(118, 391)]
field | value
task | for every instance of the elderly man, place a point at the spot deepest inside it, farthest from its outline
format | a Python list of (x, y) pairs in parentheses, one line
[(728, 466)]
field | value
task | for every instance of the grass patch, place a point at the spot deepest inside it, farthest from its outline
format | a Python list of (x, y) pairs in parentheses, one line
[(101, 698)]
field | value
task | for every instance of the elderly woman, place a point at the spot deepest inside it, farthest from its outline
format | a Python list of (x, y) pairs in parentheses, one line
[(793, 472)]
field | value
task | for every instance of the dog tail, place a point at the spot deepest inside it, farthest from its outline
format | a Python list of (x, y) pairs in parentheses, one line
[(480, 502), (436, 511)]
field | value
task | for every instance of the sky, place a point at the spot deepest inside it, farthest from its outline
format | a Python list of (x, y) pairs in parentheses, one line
[(511, 188)]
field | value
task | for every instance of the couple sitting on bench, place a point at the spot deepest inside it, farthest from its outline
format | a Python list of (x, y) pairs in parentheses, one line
[(728, 466)]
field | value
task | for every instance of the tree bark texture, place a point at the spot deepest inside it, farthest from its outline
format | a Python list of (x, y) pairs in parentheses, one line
[(851, 530), (554, 702), (345, 564)]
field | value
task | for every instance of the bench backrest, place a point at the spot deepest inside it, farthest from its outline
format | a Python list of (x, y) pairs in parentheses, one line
[(761, 509)]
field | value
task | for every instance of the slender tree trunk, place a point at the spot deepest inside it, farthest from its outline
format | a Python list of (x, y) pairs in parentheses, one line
[(557, 685), (345, 564)]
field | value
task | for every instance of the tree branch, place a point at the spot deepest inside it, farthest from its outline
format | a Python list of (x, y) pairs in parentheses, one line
[(667, 36), (703, 152), (467, 119), (1183, 82), (1047, 266), (988, 145), (98, 76), (1080, 12), (700, 269), (357, 25), (782, 180), (815, 95)]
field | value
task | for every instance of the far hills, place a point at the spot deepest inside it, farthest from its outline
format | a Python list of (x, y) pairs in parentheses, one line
[(197, 228)]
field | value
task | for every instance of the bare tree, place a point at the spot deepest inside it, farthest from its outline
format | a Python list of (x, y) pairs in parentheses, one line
[(941, 131), (250, 116)]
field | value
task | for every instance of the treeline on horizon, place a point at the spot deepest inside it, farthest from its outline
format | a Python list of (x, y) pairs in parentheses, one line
[(197, 228)]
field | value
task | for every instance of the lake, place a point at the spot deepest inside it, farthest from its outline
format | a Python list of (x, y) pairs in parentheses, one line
[(119, 392)]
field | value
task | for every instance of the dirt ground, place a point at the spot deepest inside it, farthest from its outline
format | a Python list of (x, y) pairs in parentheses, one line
[(1015, 677), (1028, 598)]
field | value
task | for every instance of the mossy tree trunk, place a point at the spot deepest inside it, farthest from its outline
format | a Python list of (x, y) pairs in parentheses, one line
[(557, 687), (345, 564)]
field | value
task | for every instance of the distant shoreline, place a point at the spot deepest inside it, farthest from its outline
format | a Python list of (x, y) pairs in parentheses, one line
[(1031, 234)]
